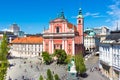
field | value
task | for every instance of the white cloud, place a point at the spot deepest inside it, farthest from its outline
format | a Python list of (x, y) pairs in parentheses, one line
[(110, 13), (115, 14), (95, 15), (6, 29), (108, 20)]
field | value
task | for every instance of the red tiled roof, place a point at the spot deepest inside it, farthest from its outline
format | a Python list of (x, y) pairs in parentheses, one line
[(29, 40), (70, 25)]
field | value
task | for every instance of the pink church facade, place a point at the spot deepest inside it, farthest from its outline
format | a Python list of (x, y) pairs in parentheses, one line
[(64, 35)]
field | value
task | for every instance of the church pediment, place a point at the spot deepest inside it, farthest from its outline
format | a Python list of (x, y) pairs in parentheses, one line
[(58, 20)]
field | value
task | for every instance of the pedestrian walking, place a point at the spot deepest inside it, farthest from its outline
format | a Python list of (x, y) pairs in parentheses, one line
[(90, 69), (9, 78), (22, 77), (31, 66)]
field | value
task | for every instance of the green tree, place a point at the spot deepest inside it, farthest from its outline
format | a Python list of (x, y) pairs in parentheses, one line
[(4, 48), (46, 57), (56, 77), (3, 57), (61, 56), (49, 75), (68, 59), (41, 78), (3, 69), (79, 64)]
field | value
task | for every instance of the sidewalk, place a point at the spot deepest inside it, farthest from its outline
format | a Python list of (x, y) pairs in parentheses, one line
[(95, 75)]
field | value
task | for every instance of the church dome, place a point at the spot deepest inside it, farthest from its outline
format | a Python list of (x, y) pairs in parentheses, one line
[(80, 14), (88, 29), (92, 34)]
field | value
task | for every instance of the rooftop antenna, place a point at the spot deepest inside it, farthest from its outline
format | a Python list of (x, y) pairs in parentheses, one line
[(117, 27)]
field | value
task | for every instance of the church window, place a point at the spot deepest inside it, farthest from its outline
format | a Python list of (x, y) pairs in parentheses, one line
[(60, 46), (79, 21), (57, 30)]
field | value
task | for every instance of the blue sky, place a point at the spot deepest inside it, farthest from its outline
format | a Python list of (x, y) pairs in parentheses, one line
[(33, 15)]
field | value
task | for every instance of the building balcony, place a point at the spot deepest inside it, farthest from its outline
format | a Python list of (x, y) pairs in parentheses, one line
[(58, 35)]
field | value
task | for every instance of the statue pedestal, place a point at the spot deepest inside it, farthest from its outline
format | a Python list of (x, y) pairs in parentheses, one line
[(72, 69)]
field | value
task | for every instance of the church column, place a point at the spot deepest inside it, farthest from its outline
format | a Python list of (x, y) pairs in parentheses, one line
[(52, 46), (65, 27), (73, 46), (63, 43), (49, 46)]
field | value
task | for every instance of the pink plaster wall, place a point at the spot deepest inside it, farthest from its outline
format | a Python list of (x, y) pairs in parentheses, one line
[(69, 46), (80, 29), (46, 45), (63, 28)]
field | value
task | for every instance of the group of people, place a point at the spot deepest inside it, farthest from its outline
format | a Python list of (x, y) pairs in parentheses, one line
[(94, 68), (34, 65)]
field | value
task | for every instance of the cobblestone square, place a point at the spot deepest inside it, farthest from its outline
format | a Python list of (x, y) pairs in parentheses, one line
[(32, 68)]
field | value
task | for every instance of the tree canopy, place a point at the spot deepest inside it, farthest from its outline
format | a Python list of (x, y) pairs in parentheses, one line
[(49, 75), (3, 57), (4, 48), (41, 78), (46, 57), (79, 63), (56, 77), (68, 59), (61, 56)]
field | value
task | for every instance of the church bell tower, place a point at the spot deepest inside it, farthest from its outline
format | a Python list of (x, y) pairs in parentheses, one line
[(80, 25)]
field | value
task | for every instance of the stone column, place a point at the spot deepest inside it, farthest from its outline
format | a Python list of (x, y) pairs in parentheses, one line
[(65, 48), (63, 43), (73, 47), (52, 46)]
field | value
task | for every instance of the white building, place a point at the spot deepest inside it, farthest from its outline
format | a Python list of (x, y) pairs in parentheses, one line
[(91, 41), (26, 46), (102, 32), (110, 56), (14, 28)]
